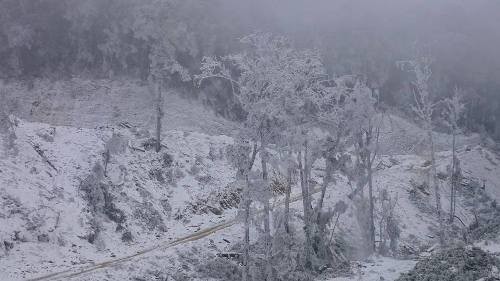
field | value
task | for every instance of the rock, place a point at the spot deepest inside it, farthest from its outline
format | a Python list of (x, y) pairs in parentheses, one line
[(127, 237), (8, 245), (43, 238), (214, 210), (442, 176), (119, 227), (167, 160)]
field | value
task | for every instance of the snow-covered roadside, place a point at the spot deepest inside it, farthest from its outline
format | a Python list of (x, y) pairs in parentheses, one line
[(377, 269), (492, 247), (388, 269)]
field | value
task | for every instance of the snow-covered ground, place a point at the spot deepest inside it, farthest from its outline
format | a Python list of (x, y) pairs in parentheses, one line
[(84, 103), (43, 210), (378, 269), (389, 269), (46, 220)]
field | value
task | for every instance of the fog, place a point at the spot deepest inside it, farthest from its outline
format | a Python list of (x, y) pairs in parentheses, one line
[(461, 34), (254, 140), (67, 37)]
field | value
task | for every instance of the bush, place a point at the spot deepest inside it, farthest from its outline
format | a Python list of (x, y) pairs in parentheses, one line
[(221, 269), (167, 160), (455, 264), (150, 217), (98, 196)]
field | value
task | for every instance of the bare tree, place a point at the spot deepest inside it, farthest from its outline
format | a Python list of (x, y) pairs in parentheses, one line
[(159, 116), (454, 109), (424, 109), (155, 89)]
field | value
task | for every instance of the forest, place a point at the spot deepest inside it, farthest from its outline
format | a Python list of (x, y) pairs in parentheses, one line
[(168, 39)]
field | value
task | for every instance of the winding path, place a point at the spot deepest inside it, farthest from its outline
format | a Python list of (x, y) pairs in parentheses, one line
[(73, 272)]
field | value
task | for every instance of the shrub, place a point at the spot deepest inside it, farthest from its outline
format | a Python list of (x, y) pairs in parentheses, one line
[(455, 264)]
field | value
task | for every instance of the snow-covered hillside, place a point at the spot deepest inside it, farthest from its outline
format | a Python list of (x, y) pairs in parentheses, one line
[(52, 216), (96, 103), (59, 212)]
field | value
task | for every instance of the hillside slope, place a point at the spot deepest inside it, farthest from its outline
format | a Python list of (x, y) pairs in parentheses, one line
[(84, 103), (59, 211)]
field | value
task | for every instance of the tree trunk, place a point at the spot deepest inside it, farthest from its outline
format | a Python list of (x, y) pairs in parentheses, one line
[(288, 191), (247, 204), (107, 157), (372, 208), (436, 189), (252, 158), (330, 165), (475, 209), (246, 239), (267, 226), (306, 205), (453, 179), (159, 115), (326, 181)]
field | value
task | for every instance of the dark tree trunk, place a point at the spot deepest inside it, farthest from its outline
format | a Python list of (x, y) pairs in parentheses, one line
[(247, 205), (372, 207), (267, 226), (287, 199), (159, 116)]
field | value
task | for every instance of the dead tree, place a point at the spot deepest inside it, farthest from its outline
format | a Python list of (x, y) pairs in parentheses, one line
[(454, 109), (159, 115)]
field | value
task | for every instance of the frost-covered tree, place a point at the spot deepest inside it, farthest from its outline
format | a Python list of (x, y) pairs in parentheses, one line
[(454, 110), (365, 123), (280, 88), (155, 89), (388, 223), (356, 121), (314, 105), (157, 24), (258, 84), (242, 157), (424, 107), (7, 126), (286, 165), (302, 103)]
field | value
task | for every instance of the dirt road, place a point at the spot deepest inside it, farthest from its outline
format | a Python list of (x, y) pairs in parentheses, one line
[(73, 272)]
